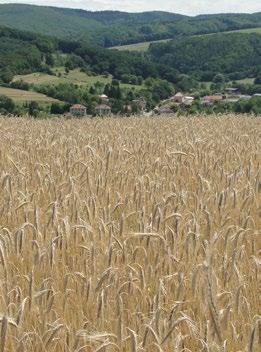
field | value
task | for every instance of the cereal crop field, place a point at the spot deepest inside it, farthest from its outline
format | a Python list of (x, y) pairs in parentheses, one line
[(130, 235), (19, 95)]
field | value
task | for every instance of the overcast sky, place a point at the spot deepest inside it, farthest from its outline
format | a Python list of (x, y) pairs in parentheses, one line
[(189, 7)]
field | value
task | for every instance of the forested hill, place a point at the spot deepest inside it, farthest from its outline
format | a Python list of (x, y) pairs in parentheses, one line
[(109, 28), (237, 55), (23, 52)]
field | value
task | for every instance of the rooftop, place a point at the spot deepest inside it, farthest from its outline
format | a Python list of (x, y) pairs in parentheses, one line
[(78, 106)]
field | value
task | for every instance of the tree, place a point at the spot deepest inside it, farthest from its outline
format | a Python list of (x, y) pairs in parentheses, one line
[(92, 90), (57, 108), (219, 78), (258, 80), (6, 75), (33, 108), (6, 104), (49, 59)]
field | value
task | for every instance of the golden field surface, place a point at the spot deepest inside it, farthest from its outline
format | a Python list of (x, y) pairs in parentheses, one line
[(130, 234)]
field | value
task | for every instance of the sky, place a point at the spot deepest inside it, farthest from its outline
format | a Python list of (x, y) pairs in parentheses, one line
[(187, 7)]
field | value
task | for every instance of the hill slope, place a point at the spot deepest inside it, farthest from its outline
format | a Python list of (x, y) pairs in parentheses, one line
[(208, 55), (144, 46), (110, 28)]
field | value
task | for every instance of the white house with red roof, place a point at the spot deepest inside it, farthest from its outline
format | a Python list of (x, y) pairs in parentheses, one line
[(78, 109)]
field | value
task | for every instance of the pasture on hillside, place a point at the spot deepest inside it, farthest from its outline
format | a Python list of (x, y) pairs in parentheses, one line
[(130, 234), (74, 76)]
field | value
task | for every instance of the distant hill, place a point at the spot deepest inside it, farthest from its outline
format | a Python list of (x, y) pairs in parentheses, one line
[(110, 28), (105, 28)]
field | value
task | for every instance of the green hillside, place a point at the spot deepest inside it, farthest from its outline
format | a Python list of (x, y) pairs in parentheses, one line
[(204, 56), (144, 46), (111, 28), (103, 28)]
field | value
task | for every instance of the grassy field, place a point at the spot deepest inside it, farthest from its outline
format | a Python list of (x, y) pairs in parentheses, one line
[(247, 30), (74, 76), (241, 81), (144, 46), (130, 234), (246, 81), (19, 95)]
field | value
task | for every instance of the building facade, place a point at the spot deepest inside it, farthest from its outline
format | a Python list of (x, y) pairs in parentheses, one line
[(78, 110)]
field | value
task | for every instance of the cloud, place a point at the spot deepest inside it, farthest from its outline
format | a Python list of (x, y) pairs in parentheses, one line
[(190, 7)]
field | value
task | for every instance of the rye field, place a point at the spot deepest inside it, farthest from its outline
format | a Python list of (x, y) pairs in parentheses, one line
[(130, 235)]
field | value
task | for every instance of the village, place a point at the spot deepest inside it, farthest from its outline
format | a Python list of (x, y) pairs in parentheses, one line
[(168, 106)]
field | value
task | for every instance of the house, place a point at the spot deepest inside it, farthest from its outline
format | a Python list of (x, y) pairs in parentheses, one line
[(178, 98), (104, 97), (257, 95), (211, 99), (78, 110), (103, 109)]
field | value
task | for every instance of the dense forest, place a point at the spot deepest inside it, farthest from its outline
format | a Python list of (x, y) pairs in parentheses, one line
[(237, 55), (110, 28)]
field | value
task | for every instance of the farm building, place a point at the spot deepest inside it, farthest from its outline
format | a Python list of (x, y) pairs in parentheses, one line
[(103, 110), (78, 109)]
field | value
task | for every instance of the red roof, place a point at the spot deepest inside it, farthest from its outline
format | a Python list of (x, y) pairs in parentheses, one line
[(78, 106)]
